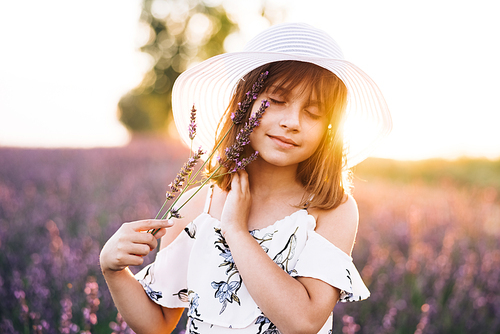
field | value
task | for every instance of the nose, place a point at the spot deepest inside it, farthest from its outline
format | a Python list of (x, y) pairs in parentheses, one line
[(290, 118)]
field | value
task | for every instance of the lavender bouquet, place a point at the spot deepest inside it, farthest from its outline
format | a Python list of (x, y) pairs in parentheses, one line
[(232, 157)]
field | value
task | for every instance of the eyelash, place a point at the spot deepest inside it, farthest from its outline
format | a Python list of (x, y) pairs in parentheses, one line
[(276, 101), (313, 116)]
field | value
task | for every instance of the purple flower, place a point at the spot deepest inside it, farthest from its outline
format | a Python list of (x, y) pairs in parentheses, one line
[(175, 214), (188, 167), (251, 95), (243, 138), (241, 164), (192, 125)]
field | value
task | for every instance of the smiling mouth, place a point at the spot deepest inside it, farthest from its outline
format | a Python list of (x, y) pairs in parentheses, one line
[(283, 142)]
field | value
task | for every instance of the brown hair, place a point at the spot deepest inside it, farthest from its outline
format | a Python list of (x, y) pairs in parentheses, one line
[(321, 174)]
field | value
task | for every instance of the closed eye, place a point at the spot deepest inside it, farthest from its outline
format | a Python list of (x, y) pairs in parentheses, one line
[(274, 101), (312, 115)]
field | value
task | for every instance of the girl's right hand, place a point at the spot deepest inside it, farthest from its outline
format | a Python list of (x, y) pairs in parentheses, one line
[(131, 243)]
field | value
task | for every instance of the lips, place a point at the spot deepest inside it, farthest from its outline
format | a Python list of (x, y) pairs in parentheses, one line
[(283, 141)]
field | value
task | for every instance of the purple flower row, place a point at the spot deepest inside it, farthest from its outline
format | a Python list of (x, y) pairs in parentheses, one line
[(430, 255)]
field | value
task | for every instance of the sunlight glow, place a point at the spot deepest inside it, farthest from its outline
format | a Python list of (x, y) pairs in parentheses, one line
[(440, 79)]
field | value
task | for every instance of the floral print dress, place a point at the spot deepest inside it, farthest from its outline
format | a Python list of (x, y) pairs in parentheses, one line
[(197, 271)]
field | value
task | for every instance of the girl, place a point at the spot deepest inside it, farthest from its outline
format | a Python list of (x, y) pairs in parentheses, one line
[(266, 249)]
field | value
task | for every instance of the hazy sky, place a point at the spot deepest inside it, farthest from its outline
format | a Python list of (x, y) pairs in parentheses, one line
[(65, 64)]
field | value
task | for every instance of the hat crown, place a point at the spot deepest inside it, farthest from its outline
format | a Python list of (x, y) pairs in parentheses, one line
[(295, 39)]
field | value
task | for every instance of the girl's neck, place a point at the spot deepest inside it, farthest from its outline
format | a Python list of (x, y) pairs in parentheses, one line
[(268, 180)]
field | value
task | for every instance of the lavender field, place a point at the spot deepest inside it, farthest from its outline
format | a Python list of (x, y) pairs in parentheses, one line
[(428, 248)]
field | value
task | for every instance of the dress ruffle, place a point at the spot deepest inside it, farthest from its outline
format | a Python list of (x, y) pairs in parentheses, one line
[(197, 271), (165, 280), (323, 260)]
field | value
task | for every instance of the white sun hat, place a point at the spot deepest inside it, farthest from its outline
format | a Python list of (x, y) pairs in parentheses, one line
[(210, 84)]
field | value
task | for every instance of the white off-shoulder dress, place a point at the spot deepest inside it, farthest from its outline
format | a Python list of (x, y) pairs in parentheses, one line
[(197, 271)]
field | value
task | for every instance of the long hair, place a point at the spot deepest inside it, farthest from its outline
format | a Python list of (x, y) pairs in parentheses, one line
[(322, 174)]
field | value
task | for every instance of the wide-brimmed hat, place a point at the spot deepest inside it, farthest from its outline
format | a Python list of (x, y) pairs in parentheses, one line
[(210, 84)]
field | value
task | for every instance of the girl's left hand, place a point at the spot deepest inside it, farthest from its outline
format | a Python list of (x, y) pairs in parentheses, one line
[(237, 206)]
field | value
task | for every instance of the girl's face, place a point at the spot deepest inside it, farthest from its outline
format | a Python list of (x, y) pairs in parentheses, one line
[(291, 128)]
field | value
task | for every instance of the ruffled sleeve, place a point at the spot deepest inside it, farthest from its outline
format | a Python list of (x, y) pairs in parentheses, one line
[(165, 280), (322, 260)]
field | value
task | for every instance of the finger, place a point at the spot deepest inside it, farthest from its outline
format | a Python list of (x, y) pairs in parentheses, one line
[(244, 184), (235, 182), (146, 238), (161, 232), (140, 249), (130, 260), (149, 224)]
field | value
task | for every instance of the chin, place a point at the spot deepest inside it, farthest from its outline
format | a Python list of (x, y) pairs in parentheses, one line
[(279, 162)]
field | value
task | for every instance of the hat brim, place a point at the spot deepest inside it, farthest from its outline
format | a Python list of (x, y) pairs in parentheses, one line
[(210, 84)]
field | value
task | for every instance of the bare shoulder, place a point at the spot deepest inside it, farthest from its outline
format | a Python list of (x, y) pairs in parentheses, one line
[(340, 225), (192, 209)]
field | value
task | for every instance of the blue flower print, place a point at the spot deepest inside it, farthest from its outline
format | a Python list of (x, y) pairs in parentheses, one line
[(193, 314), (228, 259), (193, 306), (262, 320), (147, 280), (346, 296), (154, 295), (226, 292), (226, 254)]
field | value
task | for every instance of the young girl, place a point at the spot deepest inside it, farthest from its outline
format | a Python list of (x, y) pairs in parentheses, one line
[(266, 249)]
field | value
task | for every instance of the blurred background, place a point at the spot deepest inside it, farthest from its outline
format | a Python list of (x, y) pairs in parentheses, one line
[(87, 142)]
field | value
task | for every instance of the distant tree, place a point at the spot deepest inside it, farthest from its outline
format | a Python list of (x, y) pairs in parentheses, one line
[(182, 32)]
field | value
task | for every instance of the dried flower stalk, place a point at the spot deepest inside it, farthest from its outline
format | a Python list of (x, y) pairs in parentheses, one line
[(232, 159)]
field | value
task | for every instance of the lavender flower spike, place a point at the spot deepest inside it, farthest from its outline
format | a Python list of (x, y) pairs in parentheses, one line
[(243, 137), (241, 164), (192, 125), (251, 95), (175, 214), (188, 167)]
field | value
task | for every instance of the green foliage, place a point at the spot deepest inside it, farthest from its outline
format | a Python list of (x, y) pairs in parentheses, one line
[(182, 33), (464, 172), (142, 113)]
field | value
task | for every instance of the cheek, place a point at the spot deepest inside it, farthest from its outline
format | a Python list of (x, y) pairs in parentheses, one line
[(315, 132), (316, 138), (254, 138)]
